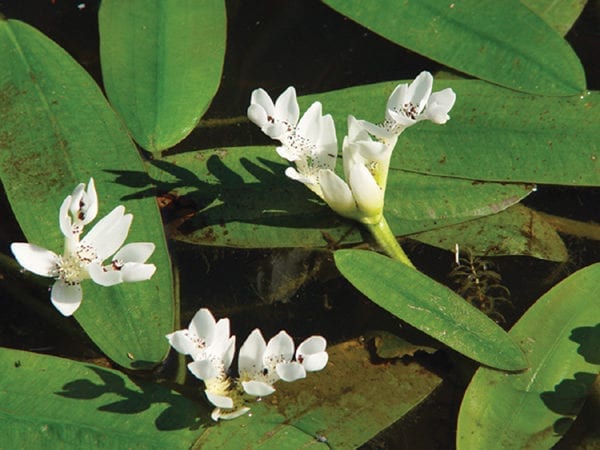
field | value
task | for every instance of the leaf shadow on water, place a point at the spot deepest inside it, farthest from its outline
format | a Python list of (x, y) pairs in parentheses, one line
[(271, 200), (569, 395), (179, 414)]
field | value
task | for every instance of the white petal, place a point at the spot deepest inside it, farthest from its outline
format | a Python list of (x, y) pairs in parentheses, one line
[(337, 193), (313, 344), (286, 107), (315, 361), (181, 342), (66, 297), (250, 359), (229, 353), (291, 371), (258, 115), (440, 103), (219, 414), (420, 90), (135, 252), (220, 339), (289, 153), (311, 353), (109, 233), (131, 272), (398, 97), (309, 126), (326, 153), (91, 202), (35, 259), (368, 195), (260, 98), (279, 348), (293, 174), (219, 401), (257, 388), (64, 219), (203, 369), (104, 277), (203, 325)]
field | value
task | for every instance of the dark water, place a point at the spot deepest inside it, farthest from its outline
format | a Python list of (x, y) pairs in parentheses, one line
[(274, 44)]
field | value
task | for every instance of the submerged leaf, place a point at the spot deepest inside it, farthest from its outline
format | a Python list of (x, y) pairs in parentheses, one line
[(517, 230)]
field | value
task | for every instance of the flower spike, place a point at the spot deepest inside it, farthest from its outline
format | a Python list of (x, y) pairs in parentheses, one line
[(84, 259)]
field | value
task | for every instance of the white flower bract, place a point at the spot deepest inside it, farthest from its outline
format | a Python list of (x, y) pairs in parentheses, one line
[(260, 364), (310, 143), (84, 259)]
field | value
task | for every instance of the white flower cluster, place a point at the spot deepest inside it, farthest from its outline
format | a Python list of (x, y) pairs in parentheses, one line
[(260, 364), (84, 259), (310, 143)]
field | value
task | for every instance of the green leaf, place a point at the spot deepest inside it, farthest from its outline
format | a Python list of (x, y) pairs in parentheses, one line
[(431, 307), (54, 403), (56, 130), (517, 230), (244, 199), (561, 337), (502, 42), (559, 15), (161, 64), (494, 134)]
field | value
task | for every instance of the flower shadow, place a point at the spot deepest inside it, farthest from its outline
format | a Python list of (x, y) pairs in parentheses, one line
[(227, 189), (180, 413)]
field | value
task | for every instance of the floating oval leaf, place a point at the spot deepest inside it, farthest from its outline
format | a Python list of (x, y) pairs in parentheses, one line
[(534, 408), (502, 42), (49, 402), (431, 307), (161, 64), (57, 130)]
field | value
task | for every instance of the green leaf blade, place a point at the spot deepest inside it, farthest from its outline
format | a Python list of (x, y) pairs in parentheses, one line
[(530, 409), (502, 42), (49, 402), (161, 64), (56, 130), (430, 307)]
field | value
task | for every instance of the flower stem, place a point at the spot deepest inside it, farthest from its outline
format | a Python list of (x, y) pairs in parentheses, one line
[(387, 241)]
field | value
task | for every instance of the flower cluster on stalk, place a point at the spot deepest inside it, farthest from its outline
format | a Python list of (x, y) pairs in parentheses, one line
[(84, 259), (310, 143), (260, 363)]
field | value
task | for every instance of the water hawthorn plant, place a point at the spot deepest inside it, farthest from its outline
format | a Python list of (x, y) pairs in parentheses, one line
[(310, 143)]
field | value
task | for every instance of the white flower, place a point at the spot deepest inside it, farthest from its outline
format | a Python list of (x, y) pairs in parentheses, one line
[(212, 348), (366, 165), (83, 259), (261, 364), (311, 354), (310, 143), (412, 103)]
